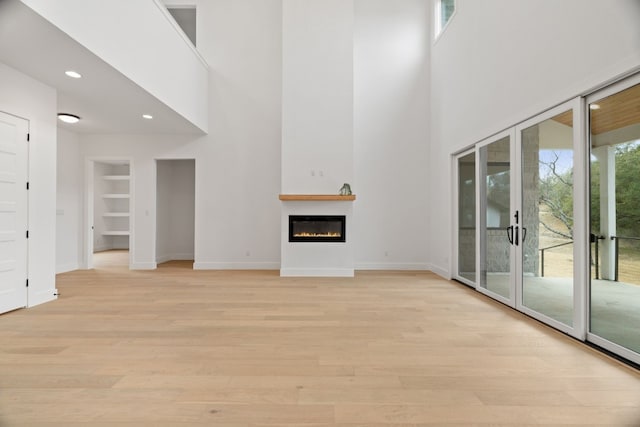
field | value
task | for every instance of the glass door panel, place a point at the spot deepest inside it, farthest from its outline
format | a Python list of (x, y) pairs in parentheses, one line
[(495, 208), (467, 218), (546, 171), (615, 221)]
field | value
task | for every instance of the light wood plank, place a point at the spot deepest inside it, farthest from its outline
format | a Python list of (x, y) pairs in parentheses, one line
[(177, 347)]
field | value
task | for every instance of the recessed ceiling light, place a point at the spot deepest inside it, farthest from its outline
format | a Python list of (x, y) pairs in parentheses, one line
[(68, 118), (594, 107), (73, 74), (147, 116)]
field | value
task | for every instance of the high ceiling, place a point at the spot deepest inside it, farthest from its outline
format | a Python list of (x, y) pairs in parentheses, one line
[(107, 101)]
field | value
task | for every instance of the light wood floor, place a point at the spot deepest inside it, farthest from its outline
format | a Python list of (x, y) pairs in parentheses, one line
[(176, 347)]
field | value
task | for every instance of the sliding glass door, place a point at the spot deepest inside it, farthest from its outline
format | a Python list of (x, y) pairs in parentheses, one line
[(548, 217), (614, 127), (496, 250), (553, 212), (466, 218), (526, 222)]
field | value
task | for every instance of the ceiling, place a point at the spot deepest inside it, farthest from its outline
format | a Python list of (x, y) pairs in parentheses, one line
[(106, 100)]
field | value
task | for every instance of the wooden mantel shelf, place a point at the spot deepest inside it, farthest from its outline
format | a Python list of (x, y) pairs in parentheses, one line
[(316, 197)]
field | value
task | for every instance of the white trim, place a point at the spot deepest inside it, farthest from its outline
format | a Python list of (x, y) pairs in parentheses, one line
[(465, 282), (400, 266), (88, 229), (143, 266), (65, 268), (317, 272), (175, 257), (440, 271), (236, 265), (614, 348), (581, 235), (438, 29), (89, 200)]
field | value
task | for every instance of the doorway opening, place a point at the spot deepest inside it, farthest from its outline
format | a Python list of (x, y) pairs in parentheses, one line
[(109, 213), (175, 212)]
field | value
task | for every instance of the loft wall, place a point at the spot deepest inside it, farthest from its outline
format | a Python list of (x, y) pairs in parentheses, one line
[(157, 56), (501, 62)]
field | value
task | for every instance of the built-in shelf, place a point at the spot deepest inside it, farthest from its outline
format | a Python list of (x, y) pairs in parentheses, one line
[(116, 214), (115, 196), (115, 233), (116, 177), (316, 197)]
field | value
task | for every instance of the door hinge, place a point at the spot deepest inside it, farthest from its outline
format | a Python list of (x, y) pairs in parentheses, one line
[(28, 137), (27, 283)]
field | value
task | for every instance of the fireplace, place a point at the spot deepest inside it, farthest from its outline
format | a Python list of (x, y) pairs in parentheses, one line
[(317, 228)]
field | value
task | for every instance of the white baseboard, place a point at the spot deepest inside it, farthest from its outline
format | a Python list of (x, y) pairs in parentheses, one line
[(236, 265), (63, 268), (144, 266), (163, 258), (392, 266), (101, 248), (442, 272), (174, 257), (316, 272)]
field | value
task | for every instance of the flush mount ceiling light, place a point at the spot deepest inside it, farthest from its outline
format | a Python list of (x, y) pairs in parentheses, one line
[(68, 118), (594, 107), (147, 116), (73, 74)]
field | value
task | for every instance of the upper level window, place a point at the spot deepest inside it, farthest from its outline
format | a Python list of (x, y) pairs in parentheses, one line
[(185, 17), (443, 14)]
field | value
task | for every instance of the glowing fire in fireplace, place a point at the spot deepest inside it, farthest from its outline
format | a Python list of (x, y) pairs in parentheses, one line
[(303, 234)]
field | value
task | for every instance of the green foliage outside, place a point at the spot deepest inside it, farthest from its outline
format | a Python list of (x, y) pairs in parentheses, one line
[(556, 193)]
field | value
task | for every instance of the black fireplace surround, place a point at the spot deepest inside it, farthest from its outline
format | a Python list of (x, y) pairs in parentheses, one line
[(317, 228)]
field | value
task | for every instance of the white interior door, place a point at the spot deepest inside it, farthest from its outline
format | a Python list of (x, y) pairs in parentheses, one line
[(13, 212)]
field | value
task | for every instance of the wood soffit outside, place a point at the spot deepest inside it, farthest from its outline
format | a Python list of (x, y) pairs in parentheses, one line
[(316, 197), (616, 111)]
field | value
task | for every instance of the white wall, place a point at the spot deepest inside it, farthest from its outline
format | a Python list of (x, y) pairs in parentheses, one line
[(238, 214), (163, 209), (317, 96), (27, 98), (158, 56), (100, 241), (175, 215), (237, 208), (500, 62), (391, 69), (68, 202)]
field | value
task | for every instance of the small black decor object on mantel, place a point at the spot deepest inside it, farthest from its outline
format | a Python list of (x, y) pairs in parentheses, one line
[(345, 190)]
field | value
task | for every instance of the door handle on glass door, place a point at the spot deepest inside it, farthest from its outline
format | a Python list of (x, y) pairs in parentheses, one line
[(516, 237), (524, 234), (510, 234)]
